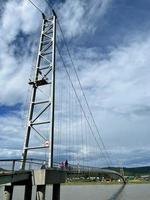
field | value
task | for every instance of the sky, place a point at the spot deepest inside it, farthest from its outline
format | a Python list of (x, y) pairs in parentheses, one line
[(110, 44)]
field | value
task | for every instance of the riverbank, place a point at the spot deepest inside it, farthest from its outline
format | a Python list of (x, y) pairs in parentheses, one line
[(105, 183)]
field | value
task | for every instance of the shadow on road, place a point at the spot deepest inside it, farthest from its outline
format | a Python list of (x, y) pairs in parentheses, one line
[(117, 195)]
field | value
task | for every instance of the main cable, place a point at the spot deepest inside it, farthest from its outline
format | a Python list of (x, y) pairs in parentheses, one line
[(36, 7)]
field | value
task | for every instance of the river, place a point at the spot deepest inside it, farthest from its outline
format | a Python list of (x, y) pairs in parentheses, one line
[(98, 192)]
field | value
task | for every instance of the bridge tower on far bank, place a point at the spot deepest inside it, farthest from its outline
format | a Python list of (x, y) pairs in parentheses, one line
[(41, 111)]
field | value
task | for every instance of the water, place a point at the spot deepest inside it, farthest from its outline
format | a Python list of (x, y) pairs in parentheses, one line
[(106, 192), (96, 192)]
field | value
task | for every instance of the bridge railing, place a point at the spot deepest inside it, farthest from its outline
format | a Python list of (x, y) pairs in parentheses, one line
[(82, 168), (14, 164)]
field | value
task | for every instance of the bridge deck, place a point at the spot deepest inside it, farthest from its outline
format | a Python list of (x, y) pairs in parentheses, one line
[(12, 177), (49, 176)]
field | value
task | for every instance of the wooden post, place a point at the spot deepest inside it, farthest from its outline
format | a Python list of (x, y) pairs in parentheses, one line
[(40, 192), (56, 192), (8, 192)]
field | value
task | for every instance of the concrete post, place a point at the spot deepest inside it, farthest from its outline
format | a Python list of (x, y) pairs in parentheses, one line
[(8, 193), (56, 192), (40, 192)]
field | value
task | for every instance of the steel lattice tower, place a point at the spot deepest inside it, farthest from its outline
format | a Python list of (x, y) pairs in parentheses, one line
[(44, 81)]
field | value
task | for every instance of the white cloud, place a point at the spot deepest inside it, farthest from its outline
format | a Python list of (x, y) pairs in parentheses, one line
[(121, 79), (131, 157), (11, 132), (78, 17), (23, 19), (14, 71)]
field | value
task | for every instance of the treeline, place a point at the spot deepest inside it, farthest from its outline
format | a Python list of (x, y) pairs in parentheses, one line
[(134, 171)]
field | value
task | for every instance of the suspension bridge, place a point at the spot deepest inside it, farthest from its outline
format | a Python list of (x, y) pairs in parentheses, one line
[(60, 124)]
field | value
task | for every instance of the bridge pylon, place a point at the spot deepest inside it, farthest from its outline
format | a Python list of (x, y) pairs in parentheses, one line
[(41, 109)]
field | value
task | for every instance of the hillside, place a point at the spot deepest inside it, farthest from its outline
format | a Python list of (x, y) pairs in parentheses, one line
[(135, 171)]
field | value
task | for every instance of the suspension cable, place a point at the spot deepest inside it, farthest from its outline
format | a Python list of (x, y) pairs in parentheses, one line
[(80, 85), (64, 65)]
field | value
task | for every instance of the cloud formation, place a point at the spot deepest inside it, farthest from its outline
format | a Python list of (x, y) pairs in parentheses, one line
[(79, 17), (115, 78), (17, 24)]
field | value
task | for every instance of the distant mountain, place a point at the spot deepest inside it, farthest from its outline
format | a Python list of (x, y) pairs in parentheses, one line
[(1, 169), (134, 171)]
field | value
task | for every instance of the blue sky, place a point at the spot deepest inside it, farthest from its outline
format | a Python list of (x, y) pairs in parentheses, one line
[(110, 44)]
